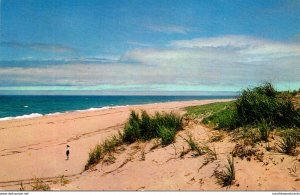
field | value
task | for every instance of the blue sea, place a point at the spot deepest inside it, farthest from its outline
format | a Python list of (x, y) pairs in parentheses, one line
[(31, 106)]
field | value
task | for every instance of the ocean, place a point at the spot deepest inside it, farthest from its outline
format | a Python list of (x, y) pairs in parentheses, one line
[(17, 106)]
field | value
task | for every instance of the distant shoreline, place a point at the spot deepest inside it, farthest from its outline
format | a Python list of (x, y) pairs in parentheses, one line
[(105, 106)]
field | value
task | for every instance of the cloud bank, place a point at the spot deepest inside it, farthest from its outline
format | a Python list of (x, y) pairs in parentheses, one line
[(226, 63)]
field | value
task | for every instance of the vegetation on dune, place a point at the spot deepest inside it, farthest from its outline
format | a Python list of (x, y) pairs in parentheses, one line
[(194, 146), (138, 127), (224, 119), (261, 107), (253, 117), (255, 114), (101, 150), (208, 109), (265, 104), (288, 143), (39, 185), (146, 127), (227, 176)]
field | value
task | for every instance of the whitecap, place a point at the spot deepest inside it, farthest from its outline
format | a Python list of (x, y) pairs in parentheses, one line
[(32, 115)]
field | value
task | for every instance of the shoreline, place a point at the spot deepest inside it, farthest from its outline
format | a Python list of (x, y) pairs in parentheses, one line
[(38, 115)]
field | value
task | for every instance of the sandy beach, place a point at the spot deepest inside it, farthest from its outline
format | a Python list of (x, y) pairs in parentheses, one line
[(35, 148)]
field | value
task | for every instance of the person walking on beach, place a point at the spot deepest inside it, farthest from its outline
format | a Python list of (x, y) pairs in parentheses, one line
[(68, 152)]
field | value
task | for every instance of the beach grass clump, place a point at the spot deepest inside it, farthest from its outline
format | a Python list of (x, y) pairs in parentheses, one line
[(132, 131), (201, 148), (100, 150), (111, 144), (167, 135), (39, 185), (94, 156), (194, 146), (227, 176), (146, 127), (289, 142), (264, 130), (263, 103)]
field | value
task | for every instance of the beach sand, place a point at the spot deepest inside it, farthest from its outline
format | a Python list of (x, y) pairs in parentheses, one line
[(35, 148)]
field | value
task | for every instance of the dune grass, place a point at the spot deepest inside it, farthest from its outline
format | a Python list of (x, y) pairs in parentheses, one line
[(264, 130), (146, 127), (255, 114), (39, 185), (265, 104), (100, 150), (199, 148), (227, 176), (194, 146), (261, 106), (208, 109), (138, 127), (225, 119), (288, 143)]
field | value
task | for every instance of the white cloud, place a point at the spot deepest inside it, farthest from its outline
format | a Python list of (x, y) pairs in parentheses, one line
[(227, 59), (226, 63)]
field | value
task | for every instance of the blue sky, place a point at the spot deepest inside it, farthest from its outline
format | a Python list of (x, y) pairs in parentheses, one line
[(147, 46)]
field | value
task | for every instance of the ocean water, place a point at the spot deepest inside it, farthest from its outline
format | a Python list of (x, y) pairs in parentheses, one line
[(32, 106)]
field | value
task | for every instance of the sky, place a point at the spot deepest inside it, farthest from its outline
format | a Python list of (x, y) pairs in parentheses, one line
[(148, 46)]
